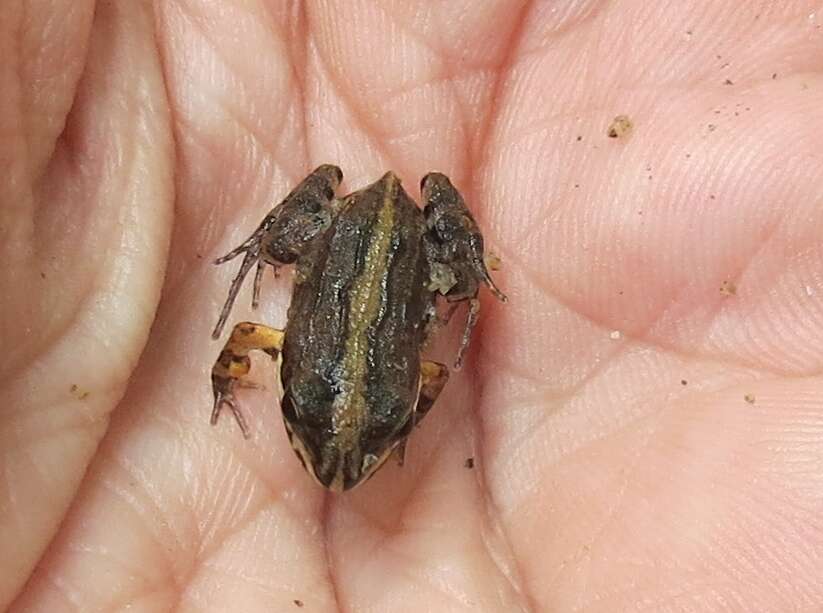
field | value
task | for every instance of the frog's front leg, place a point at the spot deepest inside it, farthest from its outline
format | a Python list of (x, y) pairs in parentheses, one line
[(454, 248), (234, 363), (284, 233), (433, 378)]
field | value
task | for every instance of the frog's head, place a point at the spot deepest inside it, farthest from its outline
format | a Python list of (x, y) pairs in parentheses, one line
[(338, 456), (334, 466)]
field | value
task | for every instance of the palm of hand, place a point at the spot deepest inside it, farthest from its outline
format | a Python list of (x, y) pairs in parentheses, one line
[(643, 440)]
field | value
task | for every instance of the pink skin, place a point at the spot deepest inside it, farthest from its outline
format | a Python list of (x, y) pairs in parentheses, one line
[(139, 145)]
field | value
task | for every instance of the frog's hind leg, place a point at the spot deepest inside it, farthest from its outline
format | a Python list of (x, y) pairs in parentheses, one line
[(454, 248), (234, 363), (285, 232), (433, 378)]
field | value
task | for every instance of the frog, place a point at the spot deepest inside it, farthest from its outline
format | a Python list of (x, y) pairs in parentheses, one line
[(370, 269)]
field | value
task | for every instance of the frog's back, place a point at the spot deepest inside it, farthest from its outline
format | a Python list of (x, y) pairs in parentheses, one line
[(351, 357)]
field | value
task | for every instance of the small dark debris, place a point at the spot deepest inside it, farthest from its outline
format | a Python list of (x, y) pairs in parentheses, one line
[(749, 398), (298, 603), (774, 75), (469, 463), (493, 261), (711, 197), (75, 391), (576, 185), (724, 65), (711, 127), (683, 382), (728, 82), (579, 138), (199, 256), (728, 288), (621, 126), (42, 275), (689, 32)]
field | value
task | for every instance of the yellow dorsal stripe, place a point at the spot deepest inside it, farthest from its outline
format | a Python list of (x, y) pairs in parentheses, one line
[(364, 301)]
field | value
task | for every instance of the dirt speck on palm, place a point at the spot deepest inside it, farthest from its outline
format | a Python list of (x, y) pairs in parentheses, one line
[(620, 126)]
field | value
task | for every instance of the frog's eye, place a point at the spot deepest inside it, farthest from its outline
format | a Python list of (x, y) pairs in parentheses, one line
[(307, 399)]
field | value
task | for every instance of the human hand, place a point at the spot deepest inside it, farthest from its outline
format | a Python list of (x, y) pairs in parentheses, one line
[(644, 414)]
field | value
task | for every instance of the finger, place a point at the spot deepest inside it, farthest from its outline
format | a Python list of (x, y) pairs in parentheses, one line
[(76, 311), (159, 492)]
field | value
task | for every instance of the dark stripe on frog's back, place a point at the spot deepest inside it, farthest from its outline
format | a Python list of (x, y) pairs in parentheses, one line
[(320, 319), (318, 312)]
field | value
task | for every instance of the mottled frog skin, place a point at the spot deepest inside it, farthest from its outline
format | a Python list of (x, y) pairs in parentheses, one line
[(369, 267)]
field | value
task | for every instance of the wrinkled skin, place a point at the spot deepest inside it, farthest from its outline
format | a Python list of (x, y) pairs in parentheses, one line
[(618, 465)]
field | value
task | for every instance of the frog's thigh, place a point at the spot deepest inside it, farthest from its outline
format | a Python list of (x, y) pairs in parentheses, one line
[(249, 336), (233, 363), (433, 377), (246, 336)]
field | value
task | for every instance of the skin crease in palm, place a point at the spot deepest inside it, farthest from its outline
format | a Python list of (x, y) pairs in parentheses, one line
[(645, 415)]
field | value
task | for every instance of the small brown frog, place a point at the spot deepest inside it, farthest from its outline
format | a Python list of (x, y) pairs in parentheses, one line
[(368, 268)]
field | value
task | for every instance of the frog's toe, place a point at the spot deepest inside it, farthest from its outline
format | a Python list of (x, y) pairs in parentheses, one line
[(224, 395)]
